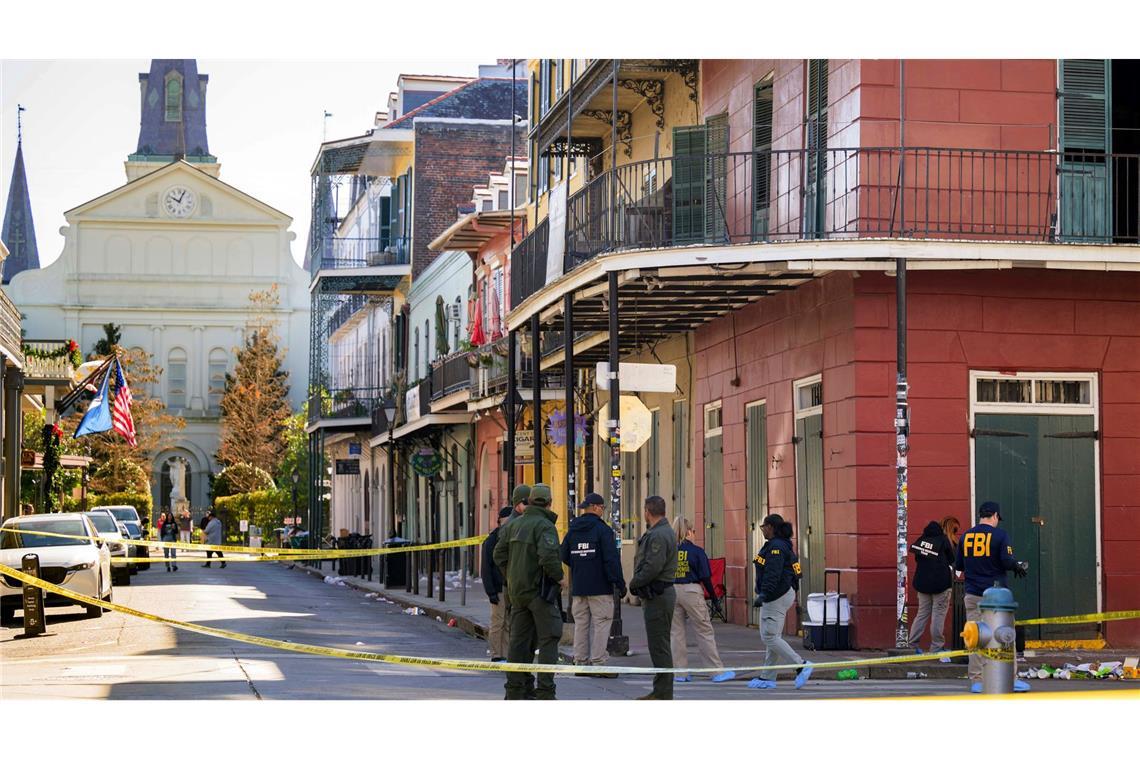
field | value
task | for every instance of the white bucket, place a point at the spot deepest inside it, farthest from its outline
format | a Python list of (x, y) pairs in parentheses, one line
[(836, 605)]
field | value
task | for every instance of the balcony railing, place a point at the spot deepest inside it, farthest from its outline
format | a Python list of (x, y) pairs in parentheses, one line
[(10, 327), (344, 403), (355, 253), (47, 360), (841, 194), (452, 375)]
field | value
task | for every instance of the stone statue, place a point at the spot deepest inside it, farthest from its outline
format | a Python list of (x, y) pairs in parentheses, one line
[(177, 481)]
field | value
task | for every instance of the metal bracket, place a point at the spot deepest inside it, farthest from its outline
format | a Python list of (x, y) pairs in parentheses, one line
[(653, 91), (624, 125)]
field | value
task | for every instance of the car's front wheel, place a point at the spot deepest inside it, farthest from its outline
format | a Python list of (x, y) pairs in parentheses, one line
[(94, 610), (7, 614)]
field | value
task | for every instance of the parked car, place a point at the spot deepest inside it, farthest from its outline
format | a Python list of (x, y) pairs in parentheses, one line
[(79, 563), (111, 529), (129, 517)]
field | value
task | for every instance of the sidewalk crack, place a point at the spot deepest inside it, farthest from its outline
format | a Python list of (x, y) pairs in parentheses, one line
[(248, 680)]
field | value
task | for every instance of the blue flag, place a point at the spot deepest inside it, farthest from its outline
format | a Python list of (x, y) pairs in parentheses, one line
[(98, 416)]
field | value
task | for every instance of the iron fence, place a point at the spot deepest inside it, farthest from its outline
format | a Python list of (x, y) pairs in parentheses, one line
[(451, 375), (355, 253), (344, 403), (841, 194)]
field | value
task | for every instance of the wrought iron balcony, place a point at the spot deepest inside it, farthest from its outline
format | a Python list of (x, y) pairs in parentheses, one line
[(358, 253), (452, 375), (785, 196), (343, 403)]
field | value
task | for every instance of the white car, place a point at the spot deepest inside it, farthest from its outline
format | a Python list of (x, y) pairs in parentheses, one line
[(80, 563), (129, 517), (112, 531)]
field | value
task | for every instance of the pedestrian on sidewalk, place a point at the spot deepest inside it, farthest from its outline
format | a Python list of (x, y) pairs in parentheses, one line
[(933, 580), (184, 525), (168, 532), (498, 635), (527, 552), (212, 534), (985, 556), (775, 595), (692, 575), (655, 567), (595, 574), (520, 500)]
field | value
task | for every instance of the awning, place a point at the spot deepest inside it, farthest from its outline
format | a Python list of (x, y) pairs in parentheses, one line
[(472, 231), (427, 420)]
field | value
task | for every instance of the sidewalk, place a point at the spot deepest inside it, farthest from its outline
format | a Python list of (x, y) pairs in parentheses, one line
[(739, 645)]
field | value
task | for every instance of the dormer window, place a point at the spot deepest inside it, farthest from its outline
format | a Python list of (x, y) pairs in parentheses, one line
[(173, 97)]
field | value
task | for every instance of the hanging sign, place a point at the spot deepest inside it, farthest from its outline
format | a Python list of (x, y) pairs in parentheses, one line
[(427, 463), (556, 245), (348, 467), (524, 447), (639, 378), (556, 429)]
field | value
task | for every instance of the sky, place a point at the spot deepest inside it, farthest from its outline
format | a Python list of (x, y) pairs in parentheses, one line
[(264, 123)]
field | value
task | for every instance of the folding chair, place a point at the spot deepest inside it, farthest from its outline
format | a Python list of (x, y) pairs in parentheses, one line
[(716, 567)]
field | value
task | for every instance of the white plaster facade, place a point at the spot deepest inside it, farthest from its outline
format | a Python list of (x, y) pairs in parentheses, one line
[(179, 289)]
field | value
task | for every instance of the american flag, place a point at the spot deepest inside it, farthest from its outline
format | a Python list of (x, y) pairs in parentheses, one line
[(121, 420)]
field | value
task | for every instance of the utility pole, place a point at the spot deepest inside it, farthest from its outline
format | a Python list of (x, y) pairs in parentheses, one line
[(902, 412)]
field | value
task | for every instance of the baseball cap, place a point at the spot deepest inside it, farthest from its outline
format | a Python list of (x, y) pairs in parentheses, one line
[(506, 512), (773, 519), (540, 495), (990, 508), (591, 500), (520, 494)]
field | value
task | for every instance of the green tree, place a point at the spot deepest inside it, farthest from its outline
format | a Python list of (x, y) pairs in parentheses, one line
[(64, 481), (104, 347), (241, 477), (255, 403), (296, 457)]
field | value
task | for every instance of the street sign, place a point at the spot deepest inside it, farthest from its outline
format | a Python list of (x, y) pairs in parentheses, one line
[(348, 467), (243, 525), (354, 449), (639, 378), (34, 621), (636, 424)]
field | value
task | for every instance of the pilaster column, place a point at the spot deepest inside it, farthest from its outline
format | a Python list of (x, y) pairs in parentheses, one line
[(158, 353), (199, 377)]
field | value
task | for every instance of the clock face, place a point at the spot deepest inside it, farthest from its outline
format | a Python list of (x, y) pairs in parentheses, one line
[(179, 201)]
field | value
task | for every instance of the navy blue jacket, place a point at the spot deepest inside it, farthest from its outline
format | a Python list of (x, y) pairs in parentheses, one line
[(774, 571), (693, 566), (984, 555), (590, 551), (492, 575), (933, 557)]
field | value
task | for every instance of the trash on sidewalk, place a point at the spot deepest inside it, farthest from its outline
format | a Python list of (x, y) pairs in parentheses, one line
[(414, 611), (850, 674), (1111, 671), (334, 580)]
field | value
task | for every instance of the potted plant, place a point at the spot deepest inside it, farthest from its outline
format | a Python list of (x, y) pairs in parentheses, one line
[(486, 359)]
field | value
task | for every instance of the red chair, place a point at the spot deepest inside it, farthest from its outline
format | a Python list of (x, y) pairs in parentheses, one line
[(717, 606)]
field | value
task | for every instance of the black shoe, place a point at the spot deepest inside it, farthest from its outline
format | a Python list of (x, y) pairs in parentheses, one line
[(206, 565), (498, 659), (222, 566), (650, 696), (176, 568)]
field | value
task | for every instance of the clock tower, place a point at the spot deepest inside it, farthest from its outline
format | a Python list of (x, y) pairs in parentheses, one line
[(172, 125)]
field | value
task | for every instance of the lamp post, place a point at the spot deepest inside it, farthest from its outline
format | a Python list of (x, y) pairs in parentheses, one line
[(295, 476), (390, 417)]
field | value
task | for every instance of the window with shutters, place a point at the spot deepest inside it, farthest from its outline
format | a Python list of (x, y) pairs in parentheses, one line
[(716, 180), (416, 359), (681, 446), (815, 156), (652, 449), (219, 362), (176, 379), (689, 184), (762, 157)]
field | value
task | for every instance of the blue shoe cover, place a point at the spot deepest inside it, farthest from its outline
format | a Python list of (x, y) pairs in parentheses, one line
[(1020, 685), (976, 687), (805, 674), (683, 679), (728, 675), (760, 683)]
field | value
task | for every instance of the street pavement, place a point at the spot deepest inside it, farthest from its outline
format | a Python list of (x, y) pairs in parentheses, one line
[(124, 657)]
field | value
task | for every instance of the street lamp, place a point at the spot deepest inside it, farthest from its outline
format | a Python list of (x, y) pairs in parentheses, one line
[(390, 416)]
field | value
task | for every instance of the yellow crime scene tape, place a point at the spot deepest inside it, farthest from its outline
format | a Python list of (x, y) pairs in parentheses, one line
[(1095, 617), (276, 552), (467, 665)]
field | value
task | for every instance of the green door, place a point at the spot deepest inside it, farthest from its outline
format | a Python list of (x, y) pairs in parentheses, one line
[(716, 180), (714, 496), (689, 146), (756, 466), (809, 502), (815, 157), (1041, 469)]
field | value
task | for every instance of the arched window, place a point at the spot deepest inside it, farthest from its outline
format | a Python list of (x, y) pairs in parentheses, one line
[(176, 379), (416, 363), (174, 98), (219, 362)]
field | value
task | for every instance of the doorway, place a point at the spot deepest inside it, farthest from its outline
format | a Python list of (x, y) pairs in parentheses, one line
[(1035, 452), (714, 481), (756, 471), (808, 396)]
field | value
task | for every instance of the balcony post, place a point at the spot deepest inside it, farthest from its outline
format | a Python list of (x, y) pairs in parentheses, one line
[(571, 428), (618, 643), (535, 358), (13, 435), (902, 413), (512, 390)]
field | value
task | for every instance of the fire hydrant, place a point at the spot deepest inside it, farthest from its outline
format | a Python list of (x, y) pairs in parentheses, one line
[(995, 632)]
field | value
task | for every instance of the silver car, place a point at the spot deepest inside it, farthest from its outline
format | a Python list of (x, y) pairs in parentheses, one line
[(111, 530)]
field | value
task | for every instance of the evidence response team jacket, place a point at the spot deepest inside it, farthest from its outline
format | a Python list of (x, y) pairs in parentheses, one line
[(656, 558), (775, 573), (527, 551), (592, 554), (984, 555)]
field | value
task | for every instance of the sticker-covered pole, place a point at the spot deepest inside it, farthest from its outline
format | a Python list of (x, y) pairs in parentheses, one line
[(618, 644)]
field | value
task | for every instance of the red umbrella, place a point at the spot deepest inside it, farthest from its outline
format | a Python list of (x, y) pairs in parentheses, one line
[(477, 336)]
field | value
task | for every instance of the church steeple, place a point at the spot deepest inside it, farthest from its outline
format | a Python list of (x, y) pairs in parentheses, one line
[(19, 231), (172, 125)]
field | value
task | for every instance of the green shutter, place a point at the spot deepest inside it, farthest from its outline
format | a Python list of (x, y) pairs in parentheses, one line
[(756, 485), (716, 180), (714, 496), (816, 154), (688, 184), (761, 158), (1085, 174)]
